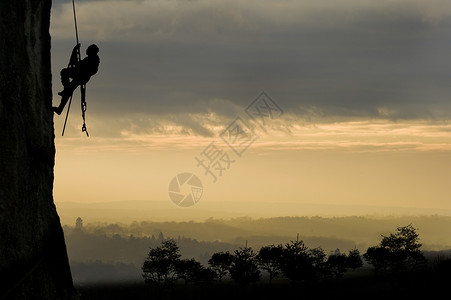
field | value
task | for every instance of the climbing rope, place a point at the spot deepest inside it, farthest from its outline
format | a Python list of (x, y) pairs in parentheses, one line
[(67, 115), (76, 27), (82, 87)]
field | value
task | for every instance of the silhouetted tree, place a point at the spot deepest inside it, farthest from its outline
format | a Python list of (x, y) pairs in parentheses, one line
[(337, 264), (269, 258), (244, 268), (397, 252), (317, 268), (295, 261), (354, 260), (379, 257), (220, 262), (159, 267), (187, 269), (204, 276)]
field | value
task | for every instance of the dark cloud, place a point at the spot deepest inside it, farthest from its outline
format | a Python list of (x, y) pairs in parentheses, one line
[(394, 65)]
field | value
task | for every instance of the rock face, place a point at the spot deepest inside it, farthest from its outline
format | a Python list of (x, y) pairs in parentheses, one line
[(33, 258)]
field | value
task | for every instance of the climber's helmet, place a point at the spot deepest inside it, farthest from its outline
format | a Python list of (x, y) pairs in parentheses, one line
[(92, 50)]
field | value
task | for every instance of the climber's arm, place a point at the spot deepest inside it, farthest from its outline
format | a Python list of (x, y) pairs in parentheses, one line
[(74, 57)]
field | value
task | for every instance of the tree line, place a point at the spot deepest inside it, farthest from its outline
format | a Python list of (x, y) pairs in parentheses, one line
[(396, 253)]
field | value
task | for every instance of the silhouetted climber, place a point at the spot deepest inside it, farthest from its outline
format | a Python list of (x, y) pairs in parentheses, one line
[(80, 71)]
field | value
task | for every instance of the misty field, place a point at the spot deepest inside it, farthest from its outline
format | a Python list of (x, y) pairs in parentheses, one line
[(107, 259)]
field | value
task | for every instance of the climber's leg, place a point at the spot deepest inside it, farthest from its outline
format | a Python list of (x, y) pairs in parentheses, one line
[(65, 95)]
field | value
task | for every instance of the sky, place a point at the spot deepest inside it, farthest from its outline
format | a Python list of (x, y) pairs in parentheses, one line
[(354, 101)]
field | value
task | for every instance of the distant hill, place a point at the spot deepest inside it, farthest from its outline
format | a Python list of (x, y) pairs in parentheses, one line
[(129, 211), (362, 231), (115, 252)]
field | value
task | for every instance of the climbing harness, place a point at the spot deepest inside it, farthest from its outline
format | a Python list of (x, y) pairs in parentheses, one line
[(83, 86)]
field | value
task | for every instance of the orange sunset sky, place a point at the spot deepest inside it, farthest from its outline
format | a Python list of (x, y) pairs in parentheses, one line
[(364, 87)]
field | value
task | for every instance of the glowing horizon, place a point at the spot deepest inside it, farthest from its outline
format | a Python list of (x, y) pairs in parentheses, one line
[(364, 89)]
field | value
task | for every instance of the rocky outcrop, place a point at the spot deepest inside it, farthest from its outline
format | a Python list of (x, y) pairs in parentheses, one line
[(33, 259)]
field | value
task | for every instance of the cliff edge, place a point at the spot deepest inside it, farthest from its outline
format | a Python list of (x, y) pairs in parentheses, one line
[(33, 257)]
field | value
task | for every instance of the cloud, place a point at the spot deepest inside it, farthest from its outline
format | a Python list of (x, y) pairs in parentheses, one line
[(184, 19), (141, 132), (189, 65)]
